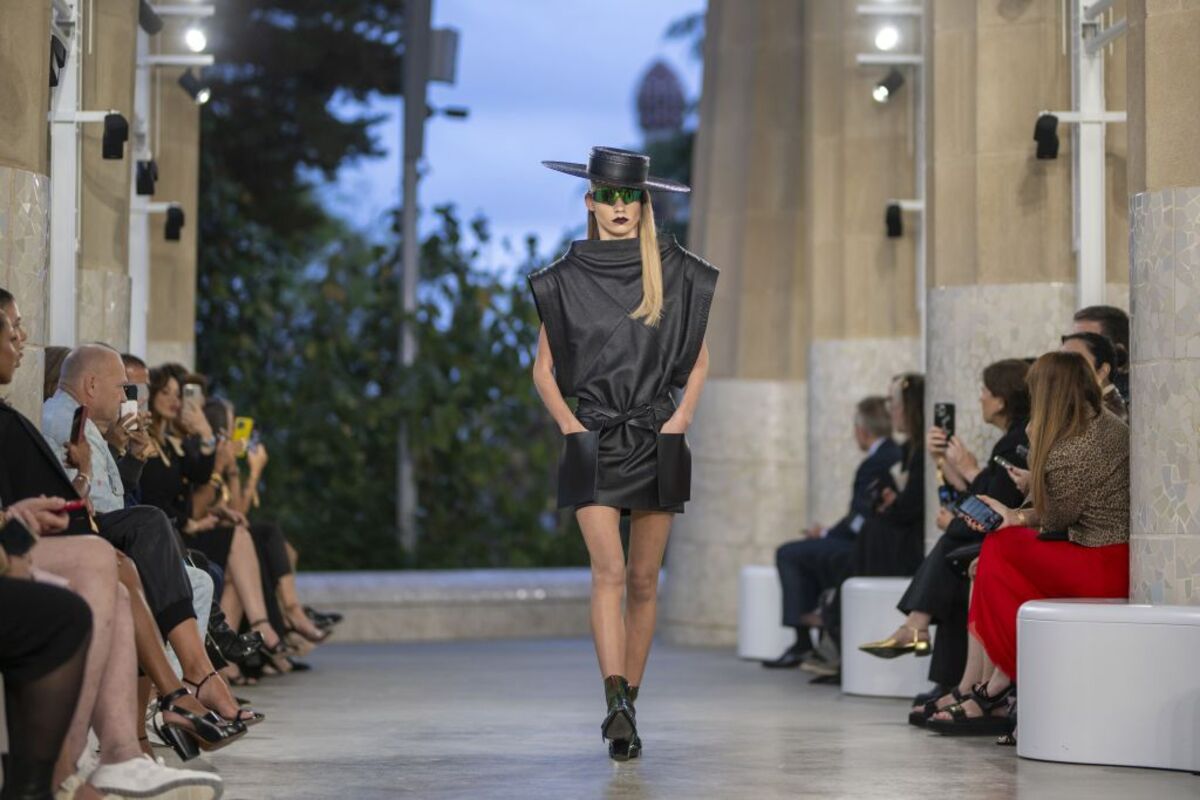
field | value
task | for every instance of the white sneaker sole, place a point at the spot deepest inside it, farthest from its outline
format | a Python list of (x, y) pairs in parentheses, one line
[(185, 789)]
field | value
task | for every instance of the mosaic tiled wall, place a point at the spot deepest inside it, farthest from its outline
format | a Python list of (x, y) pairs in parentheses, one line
[(24, 258), (749, 481), (1164, 253), (969, 328), (840, 373)]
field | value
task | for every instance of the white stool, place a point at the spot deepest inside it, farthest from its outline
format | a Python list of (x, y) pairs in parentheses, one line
[(868, 613), (1107, 682), (761, 636)]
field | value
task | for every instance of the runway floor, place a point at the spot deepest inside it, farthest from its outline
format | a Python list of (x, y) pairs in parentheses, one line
[(520, 719)]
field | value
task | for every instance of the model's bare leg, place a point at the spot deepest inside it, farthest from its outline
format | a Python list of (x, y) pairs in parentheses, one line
[(602, 535), (647, 543)]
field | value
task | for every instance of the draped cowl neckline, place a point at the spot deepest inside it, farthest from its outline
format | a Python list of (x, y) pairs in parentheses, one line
[(608, 253)]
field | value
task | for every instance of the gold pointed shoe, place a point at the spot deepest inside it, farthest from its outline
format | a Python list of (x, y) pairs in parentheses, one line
[(892, 647)]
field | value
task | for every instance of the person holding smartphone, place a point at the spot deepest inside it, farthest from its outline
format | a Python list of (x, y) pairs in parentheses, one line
[(1072, 542), (938, 593)]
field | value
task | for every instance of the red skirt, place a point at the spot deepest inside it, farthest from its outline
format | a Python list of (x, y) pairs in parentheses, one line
[(1015, 567)]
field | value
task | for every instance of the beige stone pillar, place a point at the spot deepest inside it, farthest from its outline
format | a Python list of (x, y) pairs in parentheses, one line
[(1001, 269), (176, 144), (24, 185), (1164, 254), (748, 439), (859, 154), (109, 50)]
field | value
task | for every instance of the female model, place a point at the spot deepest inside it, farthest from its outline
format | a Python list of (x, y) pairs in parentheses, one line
[(623, 321)]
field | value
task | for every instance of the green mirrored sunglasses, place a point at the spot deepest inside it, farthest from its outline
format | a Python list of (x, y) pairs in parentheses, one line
[(609, 194)]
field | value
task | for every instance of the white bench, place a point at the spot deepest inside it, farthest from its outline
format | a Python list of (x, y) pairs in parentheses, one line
[(761, 635), (1109, 682), (869, 613)]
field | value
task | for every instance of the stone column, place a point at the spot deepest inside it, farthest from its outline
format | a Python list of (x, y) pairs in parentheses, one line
[(1001, 271), (1164, 255), (109, 53), (24, 185), (172, 322), (748, 439), (859, 154)]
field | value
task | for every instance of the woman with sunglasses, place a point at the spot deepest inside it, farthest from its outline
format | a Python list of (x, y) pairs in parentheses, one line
[(623, 320)]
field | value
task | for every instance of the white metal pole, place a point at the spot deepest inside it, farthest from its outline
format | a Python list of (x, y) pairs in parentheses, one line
[(64, 182), (1089, 164), (922, 277), (139, 224)]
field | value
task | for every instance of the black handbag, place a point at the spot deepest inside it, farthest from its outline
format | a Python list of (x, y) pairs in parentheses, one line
[(578, 468), (674, 469)]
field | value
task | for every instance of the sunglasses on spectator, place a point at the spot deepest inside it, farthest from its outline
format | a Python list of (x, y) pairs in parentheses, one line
[(608, 194)]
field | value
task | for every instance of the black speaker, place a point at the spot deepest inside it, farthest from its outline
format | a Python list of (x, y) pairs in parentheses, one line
[(58, 57), (148, 18), (174, 223), (116, 134), (893, 221), (147, 176), (1045, 133)]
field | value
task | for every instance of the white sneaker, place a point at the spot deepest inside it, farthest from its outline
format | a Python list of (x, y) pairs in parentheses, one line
[(141, 777)]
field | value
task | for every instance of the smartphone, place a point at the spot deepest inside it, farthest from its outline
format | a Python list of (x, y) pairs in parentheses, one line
[(143, 396), (74, 505), (975, 510), (1004, 462), (943, 417), (16, 539), (130, 406), (243, 428), (79, 424), (193, 392), (1023, 452)]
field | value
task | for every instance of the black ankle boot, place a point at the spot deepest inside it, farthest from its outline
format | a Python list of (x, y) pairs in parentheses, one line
[(618, 722), (26, 779), (626, 749)]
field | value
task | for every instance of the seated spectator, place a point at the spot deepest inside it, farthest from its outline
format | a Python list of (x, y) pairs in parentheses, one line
[(892, 540), (809, 566), (181, 435), (938, 593), (1107, 361), (1072, 542), (1112, 322), (54, 356), (108, 691)]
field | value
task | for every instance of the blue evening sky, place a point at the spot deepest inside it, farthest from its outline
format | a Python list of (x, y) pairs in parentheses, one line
[(543, 79)]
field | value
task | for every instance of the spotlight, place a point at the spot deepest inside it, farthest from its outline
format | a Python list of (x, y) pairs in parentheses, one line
[(148, 18), (116, 133), (58, 54), (893, 222), (193, 86), (195, 39), (887, 37), (887, 87), (174, 223), (147, 176), (1045, 133)]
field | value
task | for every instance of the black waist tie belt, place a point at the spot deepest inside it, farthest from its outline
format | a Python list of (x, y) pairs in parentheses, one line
[(650, 415)]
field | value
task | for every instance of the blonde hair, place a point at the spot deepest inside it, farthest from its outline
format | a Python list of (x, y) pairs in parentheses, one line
[(651, 309), (1065, 397)]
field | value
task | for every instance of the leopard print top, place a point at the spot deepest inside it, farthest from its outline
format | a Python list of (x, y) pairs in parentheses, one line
[(1087, 483)]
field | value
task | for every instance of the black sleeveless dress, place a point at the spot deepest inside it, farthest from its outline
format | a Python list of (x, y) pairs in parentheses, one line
[(622, 371)]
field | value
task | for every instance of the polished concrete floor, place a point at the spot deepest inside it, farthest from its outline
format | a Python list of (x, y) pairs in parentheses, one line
[(520, 719)]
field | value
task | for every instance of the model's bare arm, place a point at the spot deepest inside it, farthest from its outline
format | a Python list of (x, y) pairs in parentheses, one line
[(682, 418), (547, 387)]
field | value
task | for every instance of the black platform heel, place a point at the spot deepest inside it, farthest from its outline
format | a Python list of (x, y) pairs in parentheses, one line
[(208, 732), (627, 749), (619, 722)]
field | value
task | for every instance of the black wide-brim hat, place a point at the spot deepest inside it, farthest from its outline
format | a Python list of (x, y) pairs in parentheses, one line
[(617, 167)]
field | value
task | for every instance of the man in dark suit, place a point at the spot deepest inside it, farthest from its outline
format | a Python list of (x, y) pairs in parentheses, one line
[(807, 567)]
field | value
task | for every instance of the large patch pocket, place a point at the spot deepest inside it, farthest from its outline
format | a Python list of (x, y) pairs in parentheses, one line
[(578, 468), (674, 469)]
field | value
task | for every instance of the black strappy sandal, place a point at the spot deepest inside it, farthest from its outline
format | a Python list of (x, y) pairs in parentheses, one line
[(919, 718), (203, 734), (986, 725), (245, 716)]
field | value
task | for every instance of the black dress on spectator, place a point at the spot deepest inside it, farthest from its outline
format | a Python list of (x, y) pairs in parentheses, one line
[(936, 588), (168, 480), (893, 541)]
